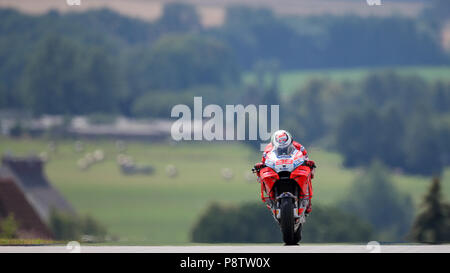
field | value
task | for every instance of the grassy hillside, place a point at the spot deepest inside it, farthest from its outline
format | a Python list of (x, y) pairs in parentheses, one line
[(157, 209), (292, 80)]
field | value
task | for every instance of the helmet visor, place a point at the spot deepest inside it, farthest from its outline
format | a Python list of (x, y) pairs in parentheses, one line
[(284, 151)]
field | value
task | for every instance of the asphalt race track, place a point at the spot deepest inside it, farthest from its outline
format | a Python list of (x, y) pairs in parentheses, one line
[(370, 248)]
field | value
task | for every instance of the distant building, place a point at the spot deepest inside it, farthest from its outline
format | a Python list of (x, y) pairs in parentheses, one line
[(122, 128), (82, 126), (26, 193)]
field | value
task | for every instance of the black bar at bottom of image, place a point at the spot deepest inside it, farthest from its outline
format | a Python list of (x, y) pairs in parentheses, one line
[(232, 262)]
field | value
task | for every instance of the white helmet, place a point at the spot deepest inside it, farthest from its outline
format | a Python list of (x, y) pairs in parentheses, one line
[(282, 142)]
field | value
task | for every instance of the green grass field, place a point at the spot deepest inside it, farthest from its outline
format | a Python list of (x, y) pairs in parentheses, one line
[(26, 242), (290, 81), (157, 209)]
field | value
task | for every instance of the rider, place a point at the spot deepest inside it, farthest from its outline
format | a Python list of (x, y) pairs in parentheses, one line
[(283, 143)]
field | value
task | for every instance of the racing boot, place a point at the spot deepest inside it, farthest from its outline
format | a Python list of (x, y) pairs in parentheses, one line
[(308, 209)]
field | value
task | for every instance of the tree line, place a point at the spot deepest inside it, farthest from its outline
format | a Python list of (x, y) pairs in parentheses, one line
[(99, 62), (400, 120), (81, 57)]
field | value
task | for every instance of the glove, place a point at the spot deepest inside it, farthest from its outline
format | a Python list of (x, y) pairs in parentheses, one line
[(258, 166), (311, 164)]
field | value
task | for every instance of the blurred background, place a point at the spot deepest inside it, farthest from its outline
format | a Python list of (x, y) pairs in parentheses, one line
[(86, 93)]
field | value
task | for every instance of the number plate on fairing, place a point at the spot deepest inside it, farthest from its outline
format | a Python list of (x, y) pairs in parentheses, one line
[(285, 162)]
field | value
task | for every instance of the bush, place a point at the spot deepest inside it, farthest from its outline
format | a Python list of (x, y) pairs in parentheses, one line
[(329, 224), (247, 223), (253, 223), (64, 226), (9, 227), (71, 227)]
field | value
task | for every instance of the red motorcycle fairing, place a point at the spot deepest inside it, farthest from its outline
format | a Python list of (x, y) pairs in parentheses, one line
[(302, 175), (268, 177)]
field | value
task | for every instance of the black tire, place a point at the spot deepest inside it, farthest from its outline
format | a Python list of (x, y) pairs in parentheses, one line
[(298, 234), (287, 221)]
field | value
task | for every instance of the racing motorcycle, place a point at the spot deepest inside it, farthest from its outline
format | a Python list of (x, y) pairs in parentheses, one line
[(286, 190)]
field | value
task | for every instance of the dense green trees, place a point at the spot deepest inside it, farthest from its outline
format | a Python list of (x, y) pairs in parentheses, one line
[(374, 198), (404, 132), (182, 61), (179, 17), (305, 112), (99, 61), (329, 41), (63, 78), (402, 121), (175, 52)]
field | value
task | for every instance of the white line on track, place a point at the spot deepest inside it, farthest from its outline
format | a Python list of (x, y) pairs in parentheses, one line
[(231, 249)]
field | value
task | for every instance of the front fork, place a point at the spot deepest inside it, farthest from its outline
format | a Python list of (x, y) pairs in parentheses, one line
[(300, 206)]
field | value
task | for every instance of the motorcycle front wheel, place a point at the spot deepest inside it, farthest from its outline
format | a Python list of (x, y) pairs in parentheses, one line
[(287, 221)]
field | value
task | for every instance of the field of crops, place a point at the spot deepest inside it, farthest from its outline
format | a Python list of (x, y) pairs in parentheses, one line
[(157, 209), (290, 81)]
